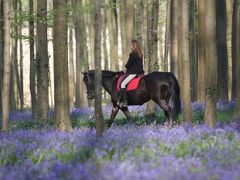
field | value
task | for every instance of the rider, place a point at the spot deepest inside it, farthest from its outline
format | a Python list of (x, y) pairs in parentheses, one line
[(133, 67)]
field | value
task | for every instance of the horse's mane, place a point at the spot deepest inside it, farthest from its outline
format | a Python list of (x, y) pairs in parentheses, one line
[(106, 73)]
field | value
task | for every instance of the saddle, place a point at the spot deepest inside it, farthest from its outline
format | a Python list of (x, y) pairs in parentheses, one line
[(132, 85)]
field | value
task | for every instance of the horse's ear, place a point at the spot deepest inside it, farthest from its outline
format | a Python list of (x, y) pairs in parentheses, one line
[(84, 73)]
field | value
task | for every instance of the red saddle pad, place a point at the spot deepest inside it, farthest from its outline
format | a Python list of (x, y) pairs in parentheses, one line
[(132, 85)]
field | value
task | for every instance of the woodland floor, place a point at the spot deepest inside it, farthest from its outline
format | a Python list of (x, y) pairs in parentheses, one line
[(146, 150)]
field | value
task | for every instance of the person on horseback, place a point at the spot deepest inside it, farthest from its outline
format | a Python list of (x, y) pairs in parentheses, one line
[(133, 67)]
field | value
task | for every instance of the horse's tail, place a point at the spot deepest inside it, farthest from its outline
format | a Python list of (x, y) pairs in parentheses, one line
[(175, 91)]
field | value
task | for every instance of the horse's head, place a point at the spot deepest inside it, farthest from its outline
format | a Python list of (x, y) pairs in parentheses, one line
[(88, 78)]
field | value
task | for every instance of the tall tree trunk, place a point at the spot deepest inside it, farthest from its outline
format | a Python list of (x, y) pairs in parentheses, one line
[(180, 39), (42, 61), (167, 36), (185, 61), (221, 50), (129, 18), (174, 37), (236, 50), (21, 91), (32, 61), (201, 51), (152, 42), (1, 50), (211, 59), (98, 71), (80, 56), (105, 48), (113, 36), (61, 81), (6, 65), (193, 48), (123, 24), (72, 87), (139, 14), (14, 56), (229, 9)]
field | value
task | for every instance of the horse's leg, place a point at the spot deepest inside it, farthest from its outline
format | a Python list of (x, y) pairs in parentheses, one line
[(127, 114), (113, 115), (166, 108)]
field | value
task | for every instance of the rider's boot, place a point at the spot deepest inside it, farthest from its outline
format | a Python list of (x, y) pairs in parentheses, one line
[(123, 98)]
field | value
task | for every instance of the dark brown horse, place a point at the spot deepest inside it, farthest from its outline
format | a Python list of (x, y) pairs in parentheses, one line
[(156, 86)]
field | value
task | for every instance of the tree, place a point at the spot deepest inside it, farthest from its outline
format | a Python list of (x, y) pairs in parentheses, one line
[(21, 58), (98, 71), (222, 57), (229, 13), (80, 55), (185, 61), (236, 51), (152, 42), (193, 48), (235, 48), (1, 50), (6, 65), (201, 51), (211, 60), (174, 37), (72, 83), (113, 35), (42, 61), (167, 35), (32, 61), (61, 80), (139, 14)]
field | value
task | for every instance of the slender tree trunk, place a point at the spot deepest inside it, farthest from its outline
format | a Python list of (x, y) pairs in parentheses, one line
[(21, 91), (229, 9), (113, 37), (139, 15), (123, 24), (221, 50), (105, 49), (72, 87), (6, 65), (152, 42), (167, 36), (32, 61), (1, 51), (42, 61), (236, 48), (61, 80), (201, 51), (129, 18), (80, 56), (211, 59), (193, 48), (174, 37), (98, 71), (14, 56), (235, 57), (184, 59), (180, 39)]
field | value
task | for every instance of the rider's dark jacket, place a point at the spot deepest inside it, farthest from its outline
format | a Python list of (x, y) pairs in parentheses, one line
[(134, 64)]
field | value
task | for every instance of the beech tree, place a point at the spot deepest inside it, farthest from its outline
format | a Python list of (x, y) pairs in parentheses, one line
[(6, 65), (61, 80), (98, 70), (211, 63), (184, 59), (42, 61)]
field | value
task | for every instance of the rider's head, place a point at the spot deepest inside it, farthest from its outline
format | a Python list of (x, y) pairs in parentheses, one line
[(137, 48)]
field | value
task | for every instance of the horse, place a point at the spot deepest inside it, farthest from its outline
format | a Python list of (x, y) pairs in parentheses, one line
[(157, 86)]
